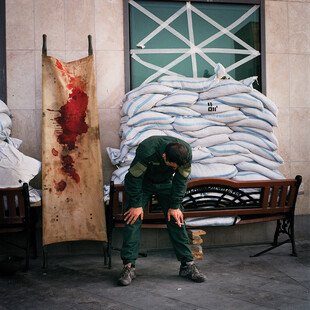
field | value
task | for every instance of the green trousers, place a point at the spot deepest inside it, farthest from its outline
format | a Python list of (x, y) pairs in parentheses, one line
[(178, 235)]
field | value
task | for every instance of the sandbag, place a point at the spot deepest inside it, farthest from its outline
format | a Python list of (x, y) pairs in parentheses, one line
[(151, 88), (247, 137), (5, 121), (192, 123), (261, 151), (140, 104), (249, 166), (15, 167), (212, 171), (194, 84), (241, 100), (254, 123), (229, 148), (249, 176), (176, 111), (226, 117), (225, 88), (4, 108), (264, 115), (209, 131), (211, 140), (180, 98), (211, 107), (229, 160), (258, 132), (149, 117)]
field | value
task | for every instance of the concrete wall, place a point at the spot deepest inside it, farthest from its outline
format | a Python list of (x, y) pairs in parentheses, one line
[(67, 24)]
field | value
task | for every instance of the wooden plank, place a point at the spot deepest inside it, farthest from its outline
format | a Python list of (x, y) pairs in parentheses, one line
[(71, 157)]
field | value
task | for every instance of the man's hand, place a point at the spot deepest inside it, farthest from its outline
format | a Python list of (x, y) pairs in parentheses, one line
[(132, 215), (177, 215)]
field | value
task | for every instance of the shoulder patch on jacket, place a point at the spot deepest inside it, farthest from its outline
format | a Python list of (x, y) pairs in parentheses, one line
[(137, 170), (184, 171)]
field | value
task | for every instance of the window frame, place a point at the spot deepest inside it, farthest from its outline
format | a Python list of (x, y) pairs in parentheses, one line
[(261, 3), (3, 82)]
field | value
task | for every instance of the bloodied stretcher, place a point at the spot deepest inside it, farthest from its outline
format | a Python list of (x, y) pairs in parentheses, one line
[(71, 157)]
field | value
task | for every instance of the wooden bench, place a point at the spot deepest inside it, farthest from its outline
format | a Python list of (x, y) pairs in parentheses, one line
[(249, 201)]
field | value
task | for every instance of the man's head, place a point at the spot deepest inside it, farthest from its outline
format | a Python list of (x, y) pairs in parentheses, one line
[(176, 154)]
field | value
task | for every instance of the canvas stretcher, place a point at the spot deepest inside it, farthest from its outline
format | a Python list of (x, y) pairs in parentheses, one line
[(72, 184)]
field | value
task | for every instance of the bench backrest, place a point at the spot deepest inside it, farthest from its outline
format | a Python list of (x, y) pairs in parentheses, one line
[(222, 197), (14, 207)]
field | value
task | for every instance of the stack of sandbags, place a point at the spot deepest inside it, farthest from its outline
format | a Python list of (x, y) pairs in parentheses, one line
[(15, 167), (6, 126), (228, 124)]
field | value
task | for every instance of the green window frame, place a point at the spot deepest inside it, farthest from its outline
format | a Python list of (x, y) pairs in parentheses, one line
[(189, 38)]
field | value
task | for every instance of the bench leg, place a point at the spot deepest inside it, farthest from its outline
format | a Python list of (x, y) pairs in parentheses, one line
[(285, 226), (276, 234), (45, 258)]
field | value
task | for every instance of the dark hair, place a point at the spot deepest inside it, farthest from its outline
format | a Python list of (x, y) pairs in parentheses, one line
[(177, 153)]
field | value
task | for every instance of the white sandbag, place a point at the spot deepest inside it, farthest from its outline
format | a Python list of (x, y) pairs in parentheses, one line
[(264, 115), (248, 137), (151, 88), (229, 148), (254, 123), (180, 98), (211, 107), (149, 117), (270, 164), (15, 167), (200, 153), (142, 136), (117, 155), (192, 123), (5, 121), (5, 133), (241, 100), (212, 221), (249, 176), (140, 104), (272, 174), (129, 132), (194, 84), (268, 104), (209, 131), (127, 160), (225, 88), (34, 194), (226, 117), (124, 119), (4, 108), (212, 171), (229, 160), (249, 81), (258, 132), (187, 83), (119, 174), (261, 151), (113, 154), (180, 135), (14, 142), (176, 111), (211, 140)]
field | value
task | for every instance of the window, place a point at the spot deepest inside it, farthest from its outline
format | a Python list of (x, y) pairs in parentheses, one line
[(189, 38), (2, 53)]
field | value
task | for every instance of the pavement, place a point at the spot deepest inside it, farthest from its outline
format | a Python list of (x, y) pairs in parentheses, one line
[(235, 280)]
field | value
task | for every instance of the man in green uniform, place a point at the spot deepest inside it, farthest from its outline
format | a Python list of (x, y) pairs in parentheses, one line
[(161, 166)]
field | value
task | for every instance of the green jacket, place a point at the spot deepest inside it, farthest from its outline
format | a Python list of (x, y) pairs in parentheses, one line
[(149, 166)]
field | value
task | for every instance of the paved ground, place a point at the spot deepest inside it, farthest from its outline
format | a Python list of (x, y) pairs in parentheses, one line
[(235, 281)]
